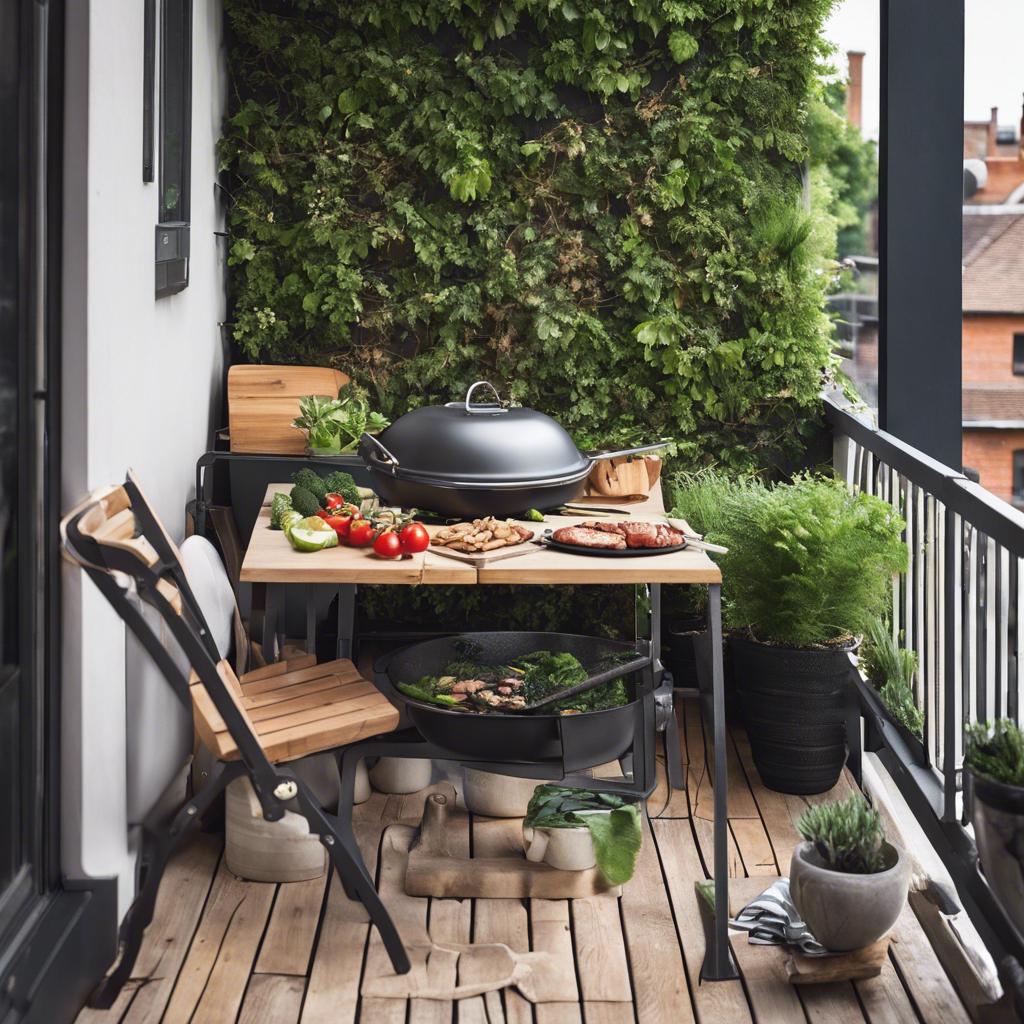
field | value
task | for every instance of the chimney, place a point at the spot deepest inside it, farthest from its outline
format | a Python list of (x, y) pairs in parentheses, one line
[(854, 87), (991, 145)]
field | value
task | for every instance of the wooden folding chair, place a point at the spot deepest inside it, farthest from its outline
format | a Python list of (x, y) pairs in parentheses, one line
[(253, 725)]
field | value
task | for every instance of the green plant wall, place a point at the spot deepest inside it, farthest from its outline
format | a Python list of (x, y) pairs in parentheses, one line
[(596, 204)]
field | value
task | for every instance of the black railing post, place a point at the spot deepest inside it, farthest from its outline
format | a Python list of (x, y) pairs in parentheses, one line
[(951, 552)]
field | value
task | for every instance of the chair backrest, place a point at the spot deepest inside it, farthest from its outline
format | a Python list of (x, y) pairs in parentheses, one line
[(159, 744), (123, 547)]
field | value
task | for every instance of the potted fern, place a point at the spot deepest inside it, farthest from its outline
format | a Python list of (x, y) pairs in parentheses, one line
[(847, 882), (808, 570), (891, 669), (994, 760)]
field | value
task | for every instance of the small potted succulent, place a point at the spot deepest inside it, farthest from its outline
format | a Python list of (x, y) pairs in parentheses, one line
[(891, 669), (847, 882), (995, 767), (808, 570)]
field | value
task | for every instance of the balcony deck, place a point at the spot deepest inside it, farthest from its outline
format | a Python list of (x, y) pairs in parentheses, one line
[(221, 949)]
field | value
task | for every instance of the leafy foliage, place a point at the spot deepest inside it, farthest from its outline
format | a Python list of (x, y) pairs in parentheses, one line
[(892, 668), (996, 751), (809, 562), (848, 835), (549, 194)]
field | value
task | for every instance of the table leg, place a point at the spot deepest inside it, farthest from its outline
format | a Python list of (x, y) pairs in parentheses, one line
[(346, 620), (272, 604), (311, 620), (718, 963)]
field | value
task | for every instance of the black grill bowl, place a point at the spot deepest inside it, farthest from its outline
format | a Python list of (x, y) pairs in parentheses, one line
[(578, 741)]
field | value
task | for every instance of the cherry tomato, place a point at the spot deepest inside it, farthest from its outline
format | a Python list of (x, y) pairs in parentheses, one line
[(334, 501), (414, 538), (387, 545), (360, 533), (339, 523)]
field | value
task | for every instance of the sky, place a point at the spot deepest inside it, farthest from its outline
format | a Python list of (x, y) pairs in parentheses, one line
[(993, 64)]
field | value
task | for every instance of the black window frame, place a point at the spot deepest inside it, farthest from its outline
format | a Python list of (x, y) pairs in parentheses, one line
[(1018, 354), (1017, 480), (175, 172)]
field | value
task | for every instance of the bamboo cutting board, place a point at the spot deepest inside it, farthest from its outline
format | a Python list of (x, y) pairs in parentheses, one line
[(486, 557), (263, 401)]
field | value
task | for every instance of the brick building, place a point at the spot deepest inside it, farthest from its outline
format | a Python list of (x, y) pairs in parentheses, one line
[(993, 350), (993, 312)]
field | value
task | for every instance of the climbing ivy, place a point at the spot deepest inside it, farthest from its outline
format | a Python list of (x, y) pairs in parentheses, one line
[(596, 204)]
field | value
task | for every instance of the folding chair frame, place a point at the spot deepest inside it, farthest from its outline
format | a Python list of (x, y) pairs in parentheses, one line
[(120, 571)]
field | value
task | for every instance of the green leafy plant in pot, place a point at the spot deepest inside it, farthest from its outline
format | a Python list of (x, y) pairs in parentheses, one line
[(847, 882), (995, 767), (808, 570), (891, 669)]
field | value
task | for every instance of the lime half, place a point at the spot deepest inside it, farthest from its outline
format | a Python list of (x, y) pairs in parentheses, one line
[(312, 534)]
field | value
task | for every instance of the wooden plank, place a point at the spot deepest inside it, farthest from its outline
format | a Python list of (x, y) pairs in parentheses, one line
[(833, 1003), (772, 999), (755, 847), (607, 1013), (884, 999), (706, 840), (292, 929), (342, 669), (215, 973), (504, 921), (272, 999), (179, 904), (600, 950), (922, 973), (549, 923), (657, 968), (716, 1001)]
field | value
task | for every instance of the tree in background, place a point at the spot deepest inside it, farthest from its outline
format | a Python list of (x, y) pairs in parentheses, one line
[(846, 165)]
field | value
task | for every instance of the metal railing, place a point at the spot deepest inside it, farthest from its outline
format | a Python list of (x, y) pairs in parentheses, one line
[(959, 607)]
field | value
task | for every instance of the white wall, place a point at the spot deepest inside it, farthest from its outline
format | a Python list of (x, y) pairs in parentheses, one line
[(140, 375)]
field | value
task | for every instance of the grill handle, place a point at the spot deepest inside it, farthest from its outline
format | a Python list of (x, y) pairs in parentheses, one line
[(388, 457), (483, 410)]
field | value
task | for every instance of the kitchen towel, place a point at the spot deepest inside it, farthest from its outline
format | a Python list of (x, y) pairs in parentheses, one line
[(772, 920)]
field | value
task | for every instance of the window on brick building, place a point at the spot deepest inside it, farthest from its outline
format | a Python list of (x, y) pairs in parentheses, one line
[(1018, 354), (1018, 477)]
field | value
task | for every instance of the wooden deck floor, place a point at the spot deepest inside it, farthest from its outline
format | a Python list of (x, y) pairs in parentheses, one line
[(221, 950)]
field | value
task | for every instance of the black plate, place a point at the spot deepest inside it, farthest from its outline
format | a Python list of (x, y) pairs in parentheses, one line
[(579, 549)]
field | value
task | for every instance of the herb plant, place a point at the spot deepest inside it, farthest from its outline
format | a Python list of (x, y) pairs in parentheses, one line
[(891, 668), (596, 205), (809, 562), (614, 824), (996, 751), (848, 835), (335, 425)]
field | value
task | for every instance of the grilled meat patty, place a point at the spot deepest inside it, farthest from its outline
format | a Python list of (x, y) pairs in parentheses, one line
[(635, 534), (584, 537)]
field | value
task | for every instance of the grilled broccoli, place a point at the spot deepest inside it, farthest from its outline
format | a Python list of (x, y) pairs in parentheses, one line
[(304, 500), (311, 481), (343, 484), (281, 503)]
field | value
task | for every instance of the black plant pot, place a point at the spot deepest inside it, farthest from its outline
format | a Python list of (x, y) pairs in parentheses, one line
[(793, 703), (998, 817), (680, 654)]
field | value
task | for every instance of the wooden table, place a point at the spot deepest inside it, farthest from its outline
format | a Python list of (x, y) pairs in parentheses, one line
[(270, 559)]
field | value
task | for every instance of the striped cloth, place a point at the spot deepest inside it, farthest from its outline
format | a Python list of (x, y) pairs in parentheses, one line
[(772, 920)]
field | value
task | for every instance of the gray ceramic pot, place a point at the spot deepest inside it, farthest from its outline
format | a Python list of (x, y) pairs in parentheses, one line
[(998, 816), (846, 911)]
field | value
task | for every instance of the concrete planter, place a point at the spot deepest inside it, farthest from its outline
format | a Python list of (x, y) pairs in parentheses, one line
[(401, 775), (567, 849), (847, 911), (496, 796)]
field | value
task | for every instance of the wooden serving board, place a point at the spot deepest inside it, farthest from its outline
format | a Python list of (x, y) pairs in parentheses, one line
[(433, 871), (485, 557), (263, 401), (853, 966)]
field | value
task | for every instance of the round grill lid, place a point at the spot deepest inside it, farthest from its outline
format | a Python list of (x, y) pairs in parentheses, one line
[(477, 443)]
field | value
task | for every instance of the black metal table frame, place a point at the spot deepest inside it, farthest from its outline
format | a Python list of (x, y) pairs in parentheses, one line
[(655, 712)]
